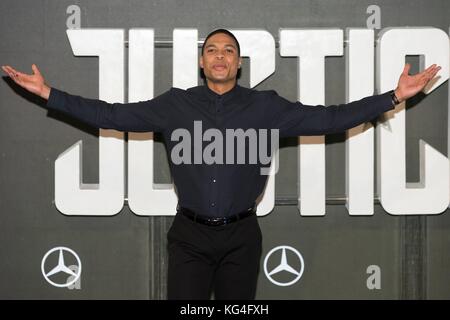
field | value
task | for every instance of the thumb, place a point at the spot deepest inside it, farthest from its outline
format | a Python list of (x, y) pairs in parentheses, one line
[(406, 69), (35, 69)]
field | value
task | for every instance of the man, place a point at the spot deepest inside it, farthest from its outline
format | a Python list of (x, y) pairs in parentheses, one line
[(215, 240)]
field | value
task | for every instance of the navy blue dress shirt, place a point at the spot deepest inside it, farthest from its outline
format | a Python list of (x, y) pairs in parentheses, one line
[(216, 189)]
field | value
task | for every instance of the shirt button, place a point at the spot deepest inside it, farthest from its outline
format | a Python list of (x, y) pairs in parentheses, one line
[(214, 180), (213, 204)]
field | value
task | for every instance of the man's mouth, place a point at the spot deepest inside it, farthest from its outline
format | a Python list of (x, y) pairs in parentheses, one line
[(219, 67)]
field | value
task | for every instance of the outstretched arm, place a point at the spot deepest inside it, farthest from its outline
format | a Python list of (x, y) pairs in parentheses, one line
[(150, 115), (296, 119)]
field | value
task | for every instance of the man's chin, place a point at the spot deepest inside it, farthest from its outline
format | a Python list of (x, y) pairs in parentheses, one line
[(219, 79), (219, 76)]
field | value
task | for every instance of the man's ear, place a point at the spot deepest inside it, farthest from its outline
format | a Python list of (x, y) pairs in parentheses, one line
[(240, 62), (200, 62)]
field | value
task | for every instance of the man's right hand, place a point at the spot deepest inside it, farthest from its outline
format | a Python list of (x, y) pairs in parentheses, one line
[(32, 82)]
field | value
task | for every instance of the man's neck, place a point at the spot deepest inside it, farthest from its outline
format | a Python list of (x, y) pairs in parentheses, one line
[(220, 87)]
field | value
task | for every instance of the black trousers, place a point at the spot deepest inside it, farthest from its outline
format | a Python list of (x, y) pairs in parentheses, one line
[(223, 259)]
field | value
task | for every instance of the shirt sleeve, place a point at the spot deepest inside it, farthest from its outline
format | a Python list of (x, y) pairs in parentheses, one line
[(297, 119), (143, 116)]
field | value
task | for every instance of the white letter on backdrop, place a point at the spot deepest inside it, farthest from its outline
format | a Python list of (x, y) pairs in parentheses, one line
[(185, 58), (431, 194), (259, 46), (359, 153), (144, 196), (72, 196), (311, 47)]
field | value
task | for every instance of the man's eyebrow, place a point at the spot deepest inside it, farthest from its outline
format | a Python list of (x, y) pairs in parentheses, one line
[(227, 45)]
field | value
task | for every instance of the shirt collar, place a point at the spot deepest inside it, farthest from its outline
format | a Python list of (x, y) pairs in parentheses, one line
[(226, 96)]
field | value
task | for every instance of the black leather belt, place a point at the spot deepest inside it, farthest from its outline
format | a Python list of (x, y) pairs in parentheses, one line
[(215, 221)]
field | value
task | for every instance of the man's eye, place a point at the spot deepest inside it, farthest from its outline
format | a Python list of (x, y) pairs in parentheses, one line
[(230, 50)]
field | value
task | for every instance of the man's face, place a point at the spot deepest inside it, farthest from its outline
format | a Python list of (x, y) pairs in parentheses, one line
[(220, 60)]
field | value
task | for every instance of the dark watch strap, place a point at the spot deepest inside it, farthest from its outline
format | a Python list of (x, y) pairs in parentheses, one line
[(394, 98)]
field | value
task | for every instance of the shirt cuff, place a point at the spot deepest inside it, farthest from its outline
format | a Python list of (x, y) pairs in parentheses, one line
[(386, 101), (55, 99)]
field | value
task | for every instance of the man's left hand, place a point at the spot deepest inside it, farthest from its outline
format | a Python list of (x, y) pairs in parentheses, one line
[(410, 85)]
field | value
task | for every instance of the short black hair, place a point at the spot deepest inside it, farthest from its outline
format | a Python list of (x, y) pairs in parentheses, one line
[(225, 31)]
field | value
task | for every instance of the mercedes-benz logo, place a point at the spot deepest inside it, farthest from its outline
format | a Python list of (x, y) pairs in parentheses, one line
[(61, 267), (284, 266)]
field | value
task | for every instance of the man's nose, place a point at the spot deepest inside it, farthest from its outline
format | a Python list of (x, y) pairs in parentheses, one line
[(219, 55)]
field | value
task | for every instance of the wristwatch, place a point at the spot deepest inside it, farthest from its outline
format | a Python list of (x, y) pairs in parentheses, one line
[(394, 98)]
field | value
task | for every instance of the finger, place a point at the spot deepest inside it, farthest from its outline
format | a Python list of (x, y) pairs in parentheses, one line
[(9, 72), (4, 69), (428, 78), (12, 72), (13, 76), (430, 67), (17, 74), (20, 74), (429, 71), (11, 69), (434, 74), (35, 69), (8, 69), (406, 69), (16, 77), (436, 70)]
